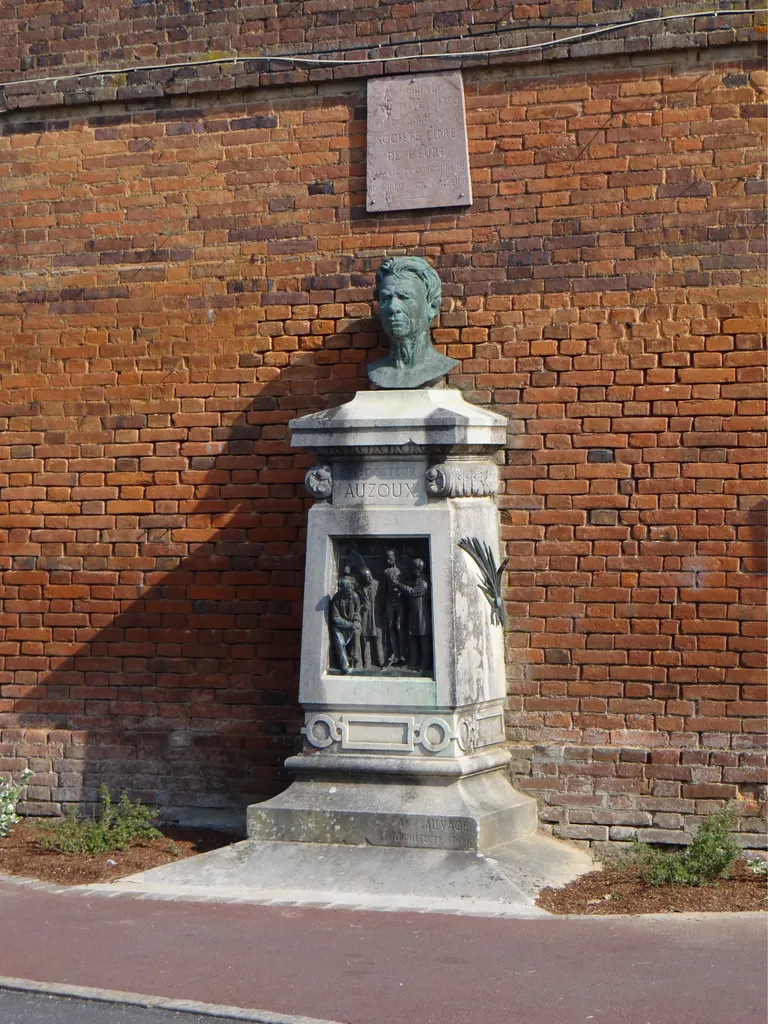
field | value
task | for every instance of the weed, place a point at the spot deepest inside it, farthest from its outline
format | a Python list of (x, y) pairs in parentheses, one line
[(711, 854), (9, 797), (117, 827)]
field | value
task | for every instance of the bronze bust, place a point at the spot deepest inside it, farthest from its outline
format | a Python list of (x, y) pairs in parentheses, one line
[(408, 291)]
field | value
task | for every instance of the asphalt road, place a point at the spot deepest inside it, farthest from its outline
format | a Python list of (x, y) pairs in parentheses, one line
[(27, 1008), (365, 967)]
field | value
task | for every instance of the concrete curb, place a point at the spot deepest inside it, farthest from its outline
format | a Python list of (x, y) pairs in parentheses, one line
[(105, 995)]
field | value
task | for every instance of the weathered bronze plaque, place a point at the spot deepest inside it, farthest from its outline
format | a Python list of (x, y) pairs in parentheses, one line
[(417, 143)]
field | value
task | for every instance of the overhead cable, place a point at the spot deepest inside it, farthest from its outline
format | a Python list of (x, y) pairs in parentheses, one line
[(296, 58)]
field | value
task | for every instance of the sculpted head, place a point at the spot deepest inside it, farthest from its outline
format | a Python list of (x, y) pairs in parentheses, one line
[(366, 577), (408, 291)]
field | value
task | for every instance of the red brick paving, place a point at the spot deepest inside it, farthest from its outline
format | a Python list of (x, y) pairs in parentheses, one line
[(380, 968)]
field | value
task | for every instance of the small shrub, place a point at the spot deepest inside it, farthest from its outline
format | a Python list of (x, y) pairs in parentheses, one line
[(657, 867), (9, 797), (117, 827), (758, 866), (711, 854)]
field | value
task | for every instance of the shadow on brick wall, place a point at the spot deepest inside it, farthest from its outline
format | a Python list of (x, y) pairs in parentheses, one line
[(756, 560), (185, 694)]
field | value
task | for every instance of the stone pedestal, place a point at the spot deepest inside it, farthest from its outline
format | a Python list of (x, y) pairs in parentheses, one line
[(398, 754)]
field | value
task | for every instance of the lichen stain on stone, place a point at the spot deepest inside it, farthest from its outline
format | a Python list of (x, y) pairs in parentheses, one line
[(468, 648)]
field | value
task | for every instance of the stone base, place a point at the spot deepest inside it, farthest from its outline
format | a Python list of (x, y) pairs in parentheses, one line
[(505, 882), (475, 812)]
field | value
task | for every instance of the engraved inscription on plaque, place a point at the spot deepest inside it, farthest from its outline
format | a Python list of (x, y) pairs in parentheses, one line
[(380, 483), (439, 832), (417, 143)]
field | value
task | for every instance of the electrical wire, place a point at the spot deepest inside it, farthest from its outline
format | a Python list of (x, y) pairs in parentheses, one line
[(340, 61)]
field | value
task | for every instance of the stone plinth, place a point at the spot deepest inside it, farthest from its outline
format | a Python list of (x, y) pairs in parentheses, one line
[(402, 665)]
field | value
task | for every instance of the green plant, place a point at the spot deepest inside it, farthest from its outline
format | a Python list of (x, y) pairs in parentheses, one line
[(711, 854), (117, 827), (758, 866), (9, 797)]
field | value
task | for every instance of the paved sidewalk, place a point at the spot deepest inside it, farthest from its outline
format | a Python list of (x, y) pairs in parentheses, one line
[(365, 967)]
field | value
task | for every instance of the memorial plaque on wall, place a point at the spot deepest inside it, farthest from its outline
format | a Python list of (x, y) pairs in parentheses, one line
[(417, 143)]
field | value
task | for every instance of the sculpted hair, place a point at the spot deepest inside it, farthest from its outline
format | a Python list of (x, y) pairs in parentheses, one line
[(397, 266)]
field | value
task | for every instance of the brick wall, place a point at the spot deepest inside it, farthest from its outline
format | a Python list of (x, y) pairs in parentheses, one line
[(62, 34), (181, 276)]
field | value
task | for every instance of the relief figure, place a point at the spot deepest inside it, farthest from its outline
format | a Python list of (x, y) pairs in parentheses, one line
[(380, 617), (346, 624), (419, 619), (394, 611), (370, 633)]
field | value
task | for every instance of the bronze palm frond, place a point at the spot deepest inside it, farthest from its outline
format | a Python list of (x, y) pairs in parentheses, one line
[(481, 554)]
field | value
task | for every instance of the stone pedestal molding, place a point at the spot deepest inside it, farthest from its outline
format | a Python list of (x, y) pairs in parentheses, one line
[(400, 753)]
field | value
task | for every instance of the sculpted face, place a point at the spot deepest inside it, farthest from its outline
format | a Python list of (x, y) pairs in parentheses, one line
[(404, 310), (408, 291)]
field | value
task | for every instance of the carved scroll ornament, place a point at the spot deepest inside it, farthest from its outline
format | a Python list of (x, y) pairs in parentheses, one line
[(462, 480), (319, 482)]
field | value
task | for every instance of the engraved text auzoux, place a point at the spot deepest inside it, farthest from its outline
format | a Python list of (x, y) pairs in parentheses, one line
[(371, 489), (381, 480)]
